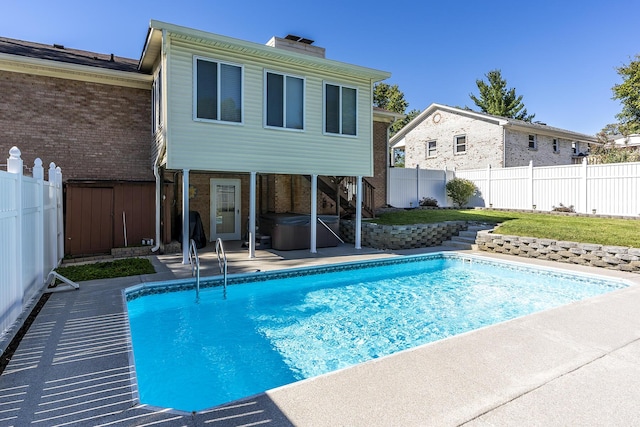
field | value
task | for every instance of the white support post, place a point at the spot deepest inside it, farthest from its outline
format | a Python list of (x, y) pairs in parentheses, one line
[(15, 165), (252, 215), (314, 214), (358, 237), (185, 216)]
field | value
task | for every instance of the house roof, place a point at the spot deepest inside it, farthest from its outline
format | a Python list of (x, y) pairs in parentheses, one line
[(61, 53), (382, 115), (521, 125), (60, 62), (153, 46)]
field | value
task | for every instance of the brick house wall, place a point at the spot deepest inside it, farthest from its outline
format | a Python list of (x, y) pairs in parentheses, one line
[(518, 153), (92, 131), (484, 143)]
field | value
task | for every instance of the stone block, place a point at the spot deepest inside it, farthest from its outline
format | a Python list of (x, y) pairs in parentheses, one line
[(615, 249)]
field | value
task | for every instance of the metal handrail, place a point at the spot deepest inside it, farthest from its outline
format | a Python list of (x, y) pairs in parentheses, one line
[(222, 262), (194, 260), (329, 228)]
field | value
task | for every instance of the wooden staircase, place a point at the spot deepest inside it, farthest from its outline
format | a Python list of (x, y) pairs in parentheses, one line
[(342, 190)]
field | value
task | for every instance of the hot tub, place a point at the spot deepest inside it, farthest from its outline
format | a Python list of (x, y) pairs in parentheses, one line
[(291, 231)]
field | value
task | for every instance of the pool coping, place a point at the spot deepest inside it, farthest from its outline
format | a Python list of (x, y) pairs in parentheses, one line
[(389, 390)]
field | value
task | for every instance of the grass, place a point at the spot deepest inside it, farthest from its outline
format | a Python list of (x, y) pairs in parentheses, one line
[(107, 270), (603, 231)]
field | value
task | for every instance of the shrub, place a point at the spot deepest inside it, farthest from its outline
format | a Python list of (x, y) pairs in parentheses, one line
[(429, 201), (460, 190)]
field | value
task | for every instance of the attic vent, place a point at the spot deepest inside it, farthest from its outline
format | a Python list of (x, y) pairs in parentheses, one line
[(540, 123), (58, 46), (299, 39)]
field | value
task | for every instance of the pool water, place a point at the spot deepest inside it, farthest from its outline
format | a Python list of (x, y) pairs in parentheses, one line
[(193, 355)]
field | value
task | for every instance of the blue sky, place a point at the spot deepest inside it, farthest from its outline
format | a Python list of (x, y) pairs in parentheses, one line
[(561, 55)]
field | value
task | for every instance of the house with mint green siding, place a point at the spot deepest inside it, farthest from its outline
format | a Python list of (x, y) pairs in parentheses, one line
[(243, 129)]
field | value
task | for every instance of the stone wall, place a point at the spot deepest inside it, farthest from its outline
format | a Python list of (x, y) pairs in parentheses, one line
[(401, 236), (612, 257)]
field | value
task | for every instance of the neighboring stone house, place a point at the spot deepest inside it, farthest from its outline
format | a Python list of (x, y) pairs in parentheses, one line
[(100, 118), (453, 138)]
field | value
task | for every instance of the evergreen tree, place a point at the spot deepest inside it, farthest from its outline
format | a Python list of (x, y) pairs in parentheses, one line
[(391, 98), (496, 99)]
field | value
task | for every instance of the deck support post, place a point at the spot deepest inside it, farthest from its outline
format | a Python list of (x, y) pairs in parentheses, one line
[(314, 213), (185, 216)]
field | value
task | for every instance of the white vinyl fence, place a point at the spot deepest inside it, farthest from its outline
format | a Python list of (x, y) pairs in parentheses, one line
[(607, 189), (31, 234)]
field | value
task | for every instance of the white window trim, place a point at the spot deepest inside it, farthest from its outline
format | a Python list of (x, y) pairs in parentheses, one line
[(455, 144), (435, 150), (535, 141), (195, 91), (324, 109), (304, 102)]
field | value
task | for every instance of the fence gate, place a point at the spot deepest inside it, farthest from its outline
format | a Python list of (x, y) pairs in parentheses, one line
[(89, 220)]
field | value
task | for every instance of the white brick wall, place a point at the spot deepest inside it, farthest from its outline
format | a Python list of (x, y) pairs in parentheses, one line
[(484, 142), (484, 145)]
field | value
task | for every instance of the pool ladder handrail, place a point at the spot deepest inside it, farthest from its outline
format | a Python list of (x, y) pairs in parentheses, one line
[(194, 260), (222, 262)]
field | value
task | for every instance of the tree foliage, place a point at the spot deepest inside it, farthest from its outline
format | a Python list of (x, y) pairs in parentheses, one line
[(496, 99), (391, 98), (460, 190), (628, 93)]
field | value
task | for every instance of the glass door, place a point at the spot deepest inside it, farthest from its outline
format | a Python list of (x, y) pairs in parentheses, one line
[(225, 209)]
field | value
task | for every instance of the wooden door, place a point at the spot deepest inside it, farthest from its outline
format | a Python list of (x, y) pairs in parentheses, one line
[(89, 220)]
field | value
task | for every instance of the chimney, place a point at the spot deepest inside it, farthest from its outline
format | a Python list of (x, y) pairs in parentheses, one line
[(297, 44)]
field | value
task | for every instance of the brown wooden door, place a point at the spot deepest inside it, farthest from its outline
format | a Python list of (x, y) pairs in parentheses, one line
[(89, 221)]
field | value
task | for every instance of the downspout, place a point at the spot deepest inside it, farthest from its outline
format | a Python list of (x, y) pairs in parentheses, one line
[(158, 196), (504, 147)]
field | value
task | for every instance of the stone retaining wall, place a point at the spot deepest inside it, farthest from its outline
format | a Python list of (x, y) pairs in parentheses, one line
[(612, 257), (401, 236)]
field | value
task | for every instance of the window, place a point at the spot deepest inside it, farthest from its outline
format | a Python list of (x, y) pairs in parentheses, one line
[(556, 146), (156, 103), (574, 148), (218, 91), (431, 148), (460, 144), (533, 142), (284, 101), (340, 113)]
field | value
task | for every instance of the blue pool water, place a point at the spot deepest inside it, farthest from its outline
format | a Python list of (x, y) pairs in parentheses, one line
[(278, 328)]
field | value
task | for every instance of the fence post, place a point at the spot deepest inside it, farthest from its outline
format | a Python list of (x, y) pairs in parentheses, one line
[(60, 228), (417, 185), (38, 174), (15, 165), (583, 189), (531, 201), (488, 198)]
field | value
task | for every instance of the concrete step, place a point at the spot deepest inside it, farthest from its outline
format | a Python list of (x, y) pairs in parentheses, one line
[(466, 239)]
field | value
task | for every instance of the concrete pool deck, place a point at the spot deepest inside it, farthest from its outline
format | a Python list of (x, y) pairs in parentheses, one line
[(573, 365)]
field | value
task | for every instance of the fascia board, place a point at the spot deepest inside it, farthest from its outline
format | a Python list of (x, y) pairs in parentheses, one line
[(63, 70)]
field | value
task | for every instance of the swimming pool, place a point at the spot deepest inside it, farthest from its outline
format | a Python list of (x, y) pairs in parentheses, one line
[(280, 327)]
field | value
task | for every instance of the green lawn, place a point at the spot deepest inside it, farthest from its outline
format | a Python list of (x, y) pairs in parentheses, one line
[(604, 231), (107, 270)]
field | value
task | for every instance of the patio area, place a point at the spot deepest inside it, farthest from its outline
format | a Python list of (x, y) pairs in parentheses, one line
[(574, 365)]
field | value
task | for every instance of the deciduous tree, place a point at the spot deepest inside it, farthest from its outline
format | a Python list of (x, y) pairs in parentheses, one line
[(628, 93)]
